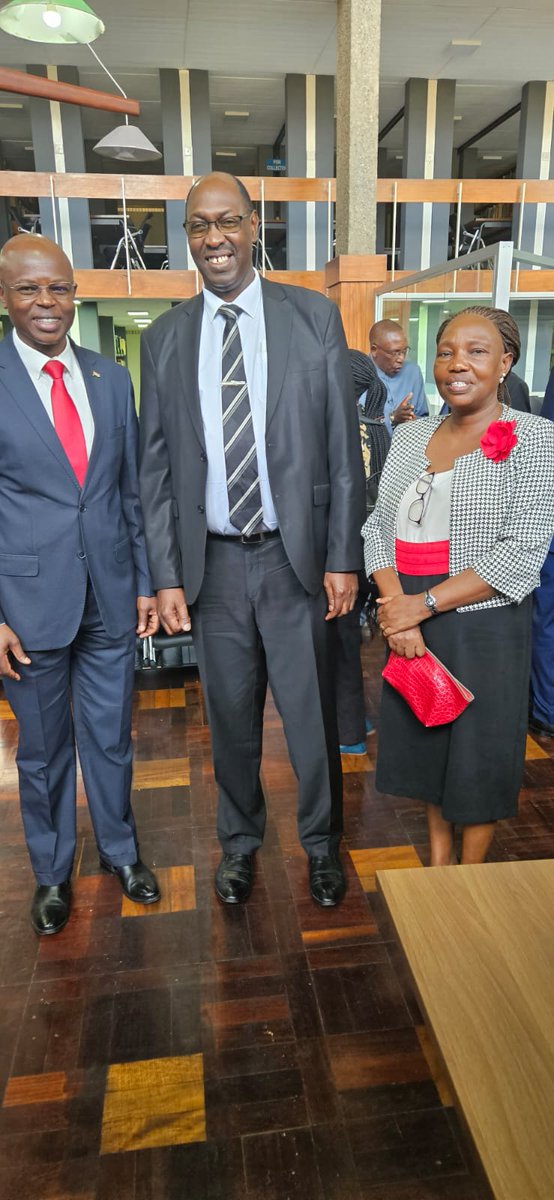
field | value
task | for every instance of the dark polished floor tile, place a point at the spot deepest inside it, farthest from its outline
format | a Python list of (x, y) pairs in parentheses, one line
[(207, 1171), (282, 1164), (406, 1147)]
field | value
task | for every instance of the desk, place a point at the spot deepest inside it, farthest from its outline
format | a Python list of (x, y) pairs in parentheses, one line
[(479, 942)]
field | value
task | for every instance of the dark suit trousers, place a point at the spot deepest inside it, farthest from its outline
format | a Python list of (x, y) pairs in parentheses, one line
[(253, 622), (542, 665), (82, 693)]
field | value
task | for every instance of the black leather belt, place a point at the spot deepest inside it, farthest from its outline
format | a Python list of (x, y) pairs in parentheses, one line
[(250, 539)]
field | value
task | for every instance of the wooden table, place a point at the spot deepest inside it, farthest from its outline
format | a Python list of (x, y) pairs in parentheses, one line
[(479, 941)]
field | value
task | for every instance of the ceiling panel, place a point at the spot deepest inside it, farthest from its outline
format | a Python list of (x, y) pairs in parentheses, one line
[(249, 47)]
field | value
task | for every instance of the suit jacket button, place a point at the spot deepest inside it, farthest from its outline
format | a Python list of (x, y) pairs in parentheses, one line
[(82, 508), (201, 508), (203, 457), (81, 554)]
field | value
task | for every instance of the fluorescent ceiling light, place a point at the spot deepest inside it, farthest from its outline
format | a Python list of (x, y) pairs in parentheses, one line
[(226, 154), (232, 112), (136, 312), (63, 22), (4, 104), (458, 118), (464, 45), (492, 157)]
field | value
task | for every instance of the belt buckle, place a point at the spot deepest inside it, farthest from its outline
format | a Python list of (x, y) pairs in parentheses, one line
[(251, 539)]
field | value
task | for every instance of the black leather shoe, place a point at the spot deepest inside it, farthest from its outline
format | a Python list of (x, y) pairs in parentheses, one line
[(137, 881), (234, 878), (50, 908), (327, 882), (541, 727)]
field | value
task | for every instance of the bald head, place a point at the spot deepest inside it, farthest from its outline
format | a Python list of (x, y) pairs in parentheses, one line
[(38, 290), (27, 248)]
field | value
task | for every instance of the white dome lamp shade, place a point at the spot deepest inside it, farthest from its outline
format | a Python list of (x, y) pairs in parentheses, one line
[(59, 21), (127, 143)]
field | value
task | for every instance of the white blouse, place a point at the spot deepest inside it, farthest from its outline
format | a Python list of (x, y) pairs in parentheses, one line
[(434, 525)]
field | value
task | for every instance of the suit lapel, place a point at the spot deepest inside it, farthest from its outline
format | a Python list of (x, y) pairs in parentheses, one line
[(187, 332), (18, 383), (278, 326), (93, 376)]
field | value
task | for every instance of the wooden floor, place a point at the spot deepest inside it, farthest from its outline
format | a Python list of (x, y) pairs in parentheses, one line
[(192, 1052)]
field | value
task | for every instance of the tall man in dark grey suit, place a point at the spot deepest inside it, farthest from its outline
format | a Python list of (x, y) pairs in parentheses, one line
[(72, 564), (253, 496)]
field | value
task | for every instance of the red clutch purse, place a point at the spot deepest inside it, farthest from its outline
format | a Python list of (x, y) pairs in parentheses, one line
[(434, 695)]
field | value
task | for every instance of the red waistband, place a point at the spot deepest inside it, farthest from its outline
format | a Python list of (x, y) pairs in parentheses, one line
[(422, 558)]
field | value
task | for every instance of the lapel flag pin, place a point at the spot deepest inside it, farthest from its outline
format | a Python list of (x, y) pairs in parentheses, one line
[(96, 375)]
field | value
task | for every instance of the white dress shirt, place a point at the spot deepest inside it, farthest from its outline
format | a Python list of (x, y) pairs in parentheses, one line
[(34, 362), (251, 325)]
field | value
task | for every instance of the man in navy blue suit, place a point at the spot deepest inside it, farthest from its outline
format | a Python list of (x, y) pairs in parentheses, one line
[(541, 719), (72, 564)]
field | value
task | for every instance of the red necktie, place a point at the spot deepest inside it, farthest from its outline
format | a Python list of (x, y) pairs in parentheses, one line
[(67, 422)]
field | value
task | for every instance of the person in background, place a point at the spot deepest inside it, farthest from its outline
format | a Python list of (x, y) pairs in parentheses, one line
[(541, 718), (353, 721), (252, 489), (406, 400), (74, 578), (462, 525)]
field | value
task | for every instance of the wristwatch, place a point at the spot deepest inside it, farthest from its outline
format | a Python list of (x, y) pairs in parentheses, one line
[(430, 603)]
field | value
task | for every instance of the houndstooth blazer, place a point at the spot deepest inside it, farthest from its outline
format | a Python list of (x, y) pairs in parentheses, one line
[(501, 514)]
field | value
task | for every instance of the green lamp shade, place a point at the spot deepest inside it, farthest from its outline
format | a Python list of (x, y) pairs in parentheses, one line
[(62, 21)]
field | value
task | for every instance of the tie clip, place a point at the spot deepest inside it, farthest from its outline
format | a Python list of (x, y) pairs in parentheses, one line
[(95, 375)]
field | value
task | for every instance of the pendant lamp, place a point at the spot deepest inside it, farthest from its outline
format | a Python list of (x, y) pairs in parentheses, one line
[(61, 21)]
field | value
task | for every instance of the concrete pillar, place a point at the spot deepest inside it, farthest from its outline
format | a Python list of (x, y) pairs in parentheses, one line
[(428, 141), (358, 46), (310, 149), (535, 160), (59, 147), (187, 146)]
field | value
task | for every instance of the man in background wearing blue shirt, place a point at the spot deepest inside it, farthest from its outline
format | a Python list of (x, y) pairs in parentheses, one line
[(403, 380)]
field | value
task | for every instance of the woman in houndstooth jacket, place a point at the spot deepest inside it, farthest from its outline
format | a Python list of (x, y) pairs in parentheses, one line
[(456, 542)]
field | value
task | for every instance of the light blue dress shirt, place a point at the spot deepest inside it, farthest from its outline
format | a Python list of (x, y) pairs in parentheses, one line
[(409, 379), (251, 324)]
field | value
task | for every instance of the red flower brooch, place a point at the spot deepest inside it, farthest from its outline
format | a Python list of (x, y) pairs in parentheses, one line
[(499, 440)]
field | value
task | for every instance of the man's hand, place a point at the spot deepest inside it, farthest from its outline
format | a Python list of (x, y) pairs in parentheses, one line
[(409, 644), (404, 411), (173, 611), (10, 644), (342, 589), (397, 614), (147, 613)]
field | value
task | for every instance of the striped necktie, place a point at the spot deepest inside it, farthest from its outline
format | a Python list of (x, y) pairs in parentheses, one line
[(241, 463)]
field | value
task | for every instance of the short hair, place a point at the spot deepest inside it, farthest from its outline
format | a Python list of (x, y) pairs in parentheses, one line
[(238, 183), (502, 321), (385, 326)]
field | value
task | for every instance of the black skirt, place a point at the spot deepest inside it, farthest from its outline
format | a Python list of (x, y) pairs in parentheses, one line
[(471, 768)]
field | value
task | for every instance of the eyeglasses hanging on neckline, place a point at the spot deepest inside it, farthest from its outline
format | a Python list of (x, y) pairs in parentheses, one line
[(418, 507)]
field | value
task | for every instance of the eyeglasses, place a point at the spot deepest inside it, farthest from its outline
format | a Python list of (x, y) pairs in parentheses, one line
[(230, 224), (394, 353), (423, 488), (29, 291)]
